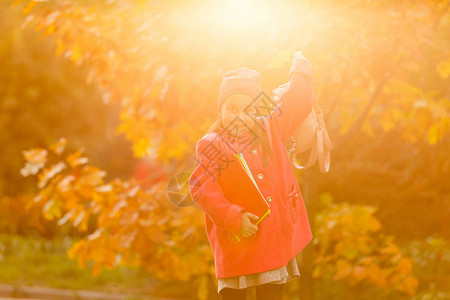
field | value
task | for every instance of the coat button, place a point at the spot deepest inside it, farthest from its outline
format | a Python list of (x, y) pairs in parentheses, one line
[(254, 151), (260, 176), (269, 199)]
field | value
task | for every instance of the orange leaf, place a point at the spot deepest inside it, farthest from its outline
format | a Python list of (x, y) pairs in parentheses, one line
[(343, 267), (75, 159), (30, 5), (36, 155), (405, 265), (76, 54), (49, 173), (59, 146)]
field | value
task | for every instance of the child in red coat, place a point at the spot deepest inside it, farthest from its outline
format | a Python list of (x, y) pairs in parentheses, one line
[(265, 257)]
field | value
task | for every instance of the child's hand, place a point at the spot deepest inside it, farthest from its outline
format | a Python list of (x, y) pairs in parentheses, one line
[(299, 55), (247, 227), (301, 65)]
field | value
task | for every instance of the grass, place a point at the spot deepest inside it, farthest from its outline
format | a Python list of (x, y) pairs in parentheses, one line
[(40, 262)]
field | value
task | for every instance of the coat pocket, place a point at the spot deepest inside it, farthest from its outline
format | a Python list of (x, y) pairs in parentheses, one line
[(292, 199)]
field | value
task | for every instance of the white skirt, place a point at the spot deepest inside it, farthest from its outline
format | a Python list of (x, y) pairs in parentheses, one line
[(276, 276)]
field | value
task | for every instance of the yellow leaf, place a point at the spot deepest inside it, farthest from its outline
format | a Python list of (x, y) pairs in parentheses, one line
[(140, 148), (347, 119), (359, 273), (66, 217), (407, 285), (280, 59), (374, 224), (404, 265), (52, 209), (433, 134), (78, 219), (96, 269), (76, 248), (343, 268), (367, 128), (367, 260), (27, 21), (317, 272), (386, 123), (36, 156), (76, 55), (75, 159), (84, 225), (422, 118), (59, 146), (50, 29), (377, 276), (59, 47), (65, 184), (49, 173), (30, 169), (30, 5), (17, 2), (390, 248), (443, 68), (410, 284)]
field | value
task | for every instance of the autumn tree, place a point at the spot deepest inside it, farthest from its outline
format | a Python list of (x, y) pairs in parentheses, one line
[(380, 73)]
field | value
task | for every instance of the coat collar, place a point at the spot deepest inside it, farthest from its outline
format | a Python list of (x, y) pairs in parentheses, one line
[(236, 144), (233, 138)]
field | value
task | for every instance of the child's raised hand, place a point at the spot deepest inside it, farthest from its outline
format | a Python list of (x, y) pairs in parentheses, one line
[(299, 55), (301, 65), (247, 227)]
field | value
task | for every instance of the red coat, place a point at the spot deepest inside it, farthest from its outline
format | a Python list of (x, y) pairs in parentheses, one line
[(283, 233)]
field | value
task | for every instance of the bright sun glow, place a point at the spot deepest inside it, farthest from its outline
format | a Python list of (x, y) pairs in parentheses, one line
[(243, 13), (233, 16)]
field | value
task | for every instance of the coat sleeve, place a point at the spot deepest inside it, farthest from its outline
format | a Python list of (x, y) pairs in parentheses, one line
[(206, 191), (294, 106)]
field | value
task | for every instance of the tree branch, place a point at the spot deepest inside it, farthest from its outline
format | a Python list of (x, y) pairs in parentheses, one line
[(356, 126)]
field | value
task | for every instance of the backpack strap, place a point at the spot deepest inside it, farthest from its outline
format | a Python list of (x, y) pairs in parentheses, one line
[(322, 147)]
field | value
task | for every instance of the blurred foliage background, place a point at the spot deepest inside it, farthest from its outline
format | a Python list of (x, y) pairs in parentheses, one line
[(102, 103)]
